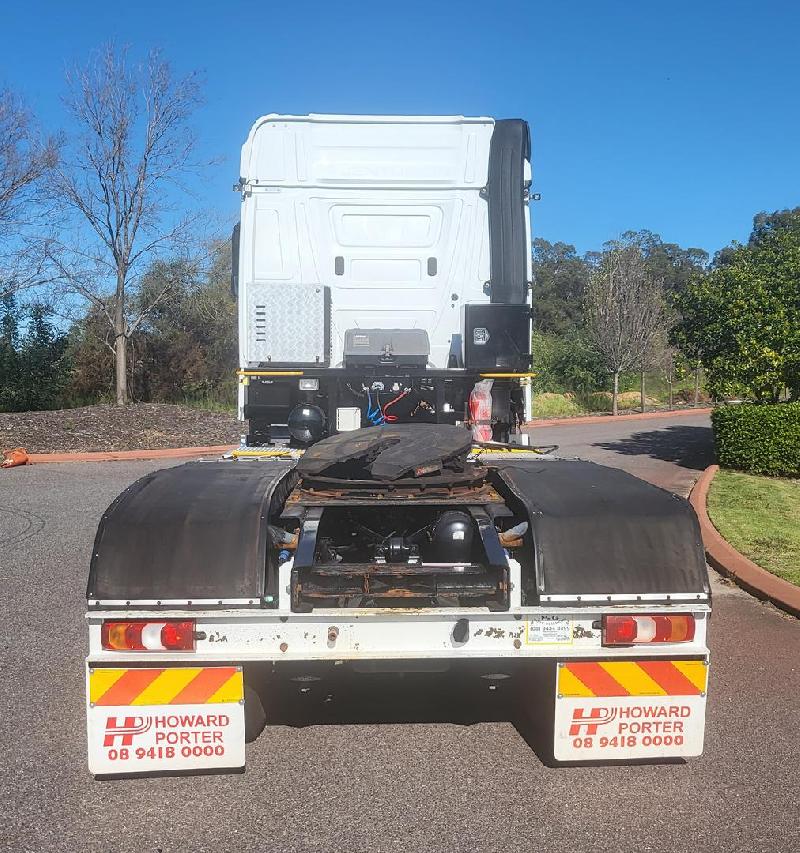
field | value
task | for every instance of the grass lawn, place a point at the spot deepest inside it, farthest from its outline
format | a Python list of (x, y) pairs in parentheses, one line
[(555, 406), (760, 517)]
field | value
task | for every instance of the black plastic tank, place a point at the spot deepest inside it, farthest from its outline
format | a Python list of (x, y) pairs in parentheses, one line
[(452, 538)]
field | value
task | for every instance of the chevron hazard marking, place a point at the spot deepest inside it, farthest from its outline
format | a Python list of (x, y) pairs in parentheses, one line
[(633, 678), (173, 686)]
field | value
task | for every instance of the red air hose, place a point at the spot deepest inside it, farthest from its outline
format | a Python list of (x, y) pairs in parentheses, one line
[(392, 418)]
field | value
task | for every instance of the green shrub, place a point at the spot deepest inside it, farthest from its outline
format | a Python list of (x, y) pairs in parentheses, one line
[(763, 439), (550, 405), (566, 363), (33, 365)]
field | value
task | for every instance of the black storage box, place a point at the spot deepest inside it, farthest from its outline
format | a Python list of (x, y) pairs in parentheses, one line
[(386, 348), (497, 337)]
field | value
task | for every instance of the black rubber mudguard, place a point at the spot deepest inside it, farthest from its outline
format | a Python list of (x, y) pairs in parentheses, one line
[(194, 532), (508, 239), (601, 531)]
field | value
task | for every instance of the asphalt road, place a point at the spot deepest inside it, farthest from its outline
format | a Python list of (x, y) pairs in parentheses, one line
[(395, 772), (670, 452)]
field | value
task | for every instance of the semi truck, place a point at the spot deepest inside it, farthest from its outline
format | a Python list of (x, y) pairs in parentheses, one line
[(383, 512)]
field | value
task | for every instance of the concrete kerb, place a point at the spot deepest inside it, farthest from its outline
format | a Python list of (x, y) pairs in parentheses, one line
[(728, 561), (609, 419)]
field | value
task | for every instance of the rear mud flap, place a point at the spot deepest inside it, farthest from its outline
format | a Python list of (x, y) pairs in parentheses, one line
[(632, 709), (166, 720)]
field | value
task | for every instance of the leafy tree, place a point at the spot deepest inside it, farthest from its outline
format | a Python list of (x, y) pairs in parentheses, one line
[(767, 224), (764, 224), (560, 277), (567, 362), (185, 349), (668, 263), (189, 346), (43, 369), (9, 362), (91, 355), (33, 369), (742, 319)]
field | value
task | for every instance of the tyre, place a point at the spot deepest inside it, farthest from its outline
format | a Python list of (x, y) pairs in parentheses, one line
[(255, 717)]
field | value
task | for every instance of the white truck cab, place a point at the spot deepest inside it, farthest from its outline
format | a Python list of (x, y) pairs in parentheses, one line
[(382, 253)]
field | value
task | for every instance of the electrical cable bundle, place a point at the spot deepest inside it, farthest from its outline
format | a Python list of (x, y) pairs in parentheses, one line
[(375, 415)]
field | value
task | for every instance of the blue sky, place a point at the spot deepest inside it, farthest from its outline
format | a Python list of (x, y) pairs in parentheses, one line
[(679, 117)]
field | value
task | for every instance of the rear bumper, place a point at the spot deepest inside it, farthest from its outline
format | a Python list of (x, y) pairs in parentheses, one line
[(255, 634)]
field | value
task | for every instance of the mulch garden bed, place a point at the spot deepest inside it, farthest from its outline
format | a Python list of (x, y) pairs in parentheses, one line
[(138, 426)]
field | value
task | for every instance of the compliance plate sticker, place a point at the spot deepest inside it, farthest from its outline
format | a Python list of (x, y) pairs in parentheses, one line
[(629, 709), (151, 720), (548, 630)]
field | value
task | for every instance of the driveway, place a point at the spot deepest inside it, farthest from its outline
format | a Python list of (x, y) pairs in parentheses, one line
[(670, 452), (397, 770)]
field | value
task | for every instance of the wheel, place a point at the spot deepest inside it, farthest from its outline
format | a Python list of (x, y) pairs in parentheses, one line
[(255, 717)]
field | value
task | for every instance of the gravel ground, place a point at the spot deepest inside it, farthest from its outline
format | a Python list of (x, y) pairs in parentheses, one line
[(137, 426)]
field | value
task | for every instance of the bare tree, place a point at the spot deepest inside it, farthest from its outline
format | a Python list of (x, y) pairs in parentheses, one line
[(698, 370), (658, 356), (120, 183), (667, 358), (25, 159), (624, 311)]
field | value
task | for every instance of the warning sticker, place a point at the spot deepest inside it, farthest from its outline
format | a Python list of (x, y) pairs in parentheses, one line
[(150, 720), (548, 630)]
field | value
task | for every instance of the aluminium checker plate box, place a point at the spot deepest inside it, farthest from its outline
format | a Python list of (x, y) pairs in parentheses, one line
[(288, 324)]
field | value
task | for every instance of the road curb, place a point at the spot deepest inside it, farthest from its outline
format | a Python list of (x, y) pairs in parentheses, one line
[(727, 560), (600, 419), (129, 455)]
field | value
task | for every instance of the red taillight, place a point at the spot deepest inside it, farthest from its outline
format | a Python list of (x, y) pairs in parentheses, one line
[(178, 635), (142, 636), (654, 628)]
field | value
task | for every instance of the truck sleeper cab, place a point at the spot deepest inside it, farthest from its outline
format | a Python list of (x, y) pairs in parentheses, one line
[(382, 268)]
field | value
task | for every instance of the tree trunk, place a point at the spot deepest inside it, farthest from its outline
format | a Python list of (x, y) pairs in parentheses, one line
[(120, 342), (615, 394), (121, 368), (697, 385), (669, 383), (641, 389)]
